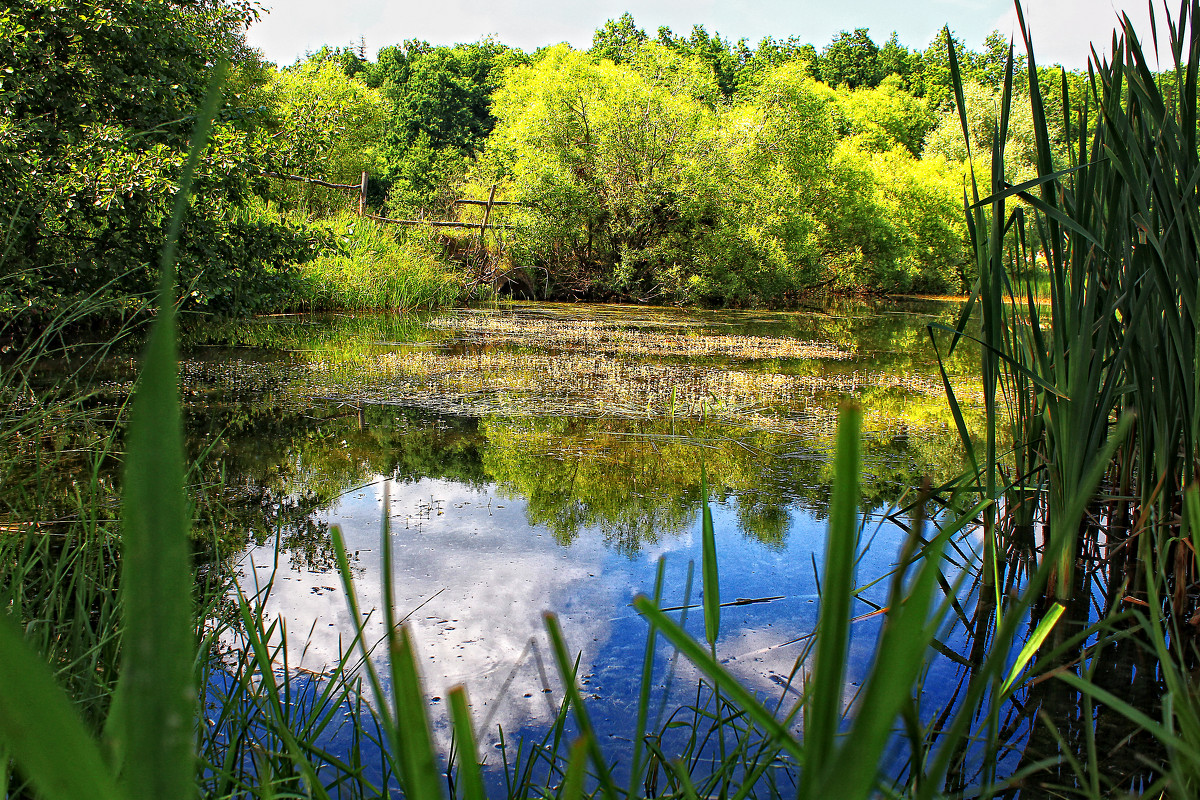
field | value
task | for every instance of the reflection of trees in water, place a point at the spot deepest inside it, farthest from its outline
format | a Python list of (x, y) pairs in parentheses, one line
[(281, 458), (279, 462), (637, 481)]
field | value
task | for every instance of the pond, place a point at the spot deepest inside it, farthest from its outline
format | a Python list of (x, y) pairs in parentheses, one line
[(546, 457)]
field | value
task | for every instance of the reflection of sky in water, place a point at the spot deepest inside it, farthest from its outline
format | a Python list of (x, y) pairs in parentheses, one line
[(476, 575), (475, 578)]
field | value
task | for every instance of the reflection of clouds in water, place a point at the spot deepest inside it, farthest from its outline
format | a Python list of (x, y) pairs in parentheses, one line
[(475, 580), (652, 551), (764, 659)]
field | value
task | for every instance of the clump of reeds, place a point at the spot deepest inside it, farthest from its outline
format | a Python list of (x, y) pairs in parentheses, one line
[(1116, 232), (1090, 393)]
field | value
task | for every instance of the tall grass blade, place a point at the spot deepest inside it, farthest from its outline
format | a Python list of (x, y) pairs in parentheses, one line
[(730, 686), (708, 568), (412, 733), (469, 775), (566, 672), (903, 647), (823, 700), (41, 730), (573, 782), (273, 694), (156, 695), (644, 687)]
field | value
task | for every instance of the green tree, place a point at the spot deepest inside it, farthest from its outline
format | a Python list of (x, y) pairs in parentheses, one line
[(885, 117), (720, 56), (850, 60), (935, 72), (618, 39), (326, 125), (96, 102), (779, 143), (987, 67), (615, 173), (351, 60), (676, 71), (772, 53), (983, 121), (896, 59), (440, 112)]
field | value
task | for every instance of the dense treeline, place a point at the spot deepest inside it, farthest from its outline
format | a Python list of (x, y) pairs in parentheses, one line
[(661, 168)]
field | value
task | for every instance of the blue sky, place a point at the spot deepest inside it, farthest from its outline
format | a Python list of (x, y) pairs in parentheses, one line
[(1062, 29)]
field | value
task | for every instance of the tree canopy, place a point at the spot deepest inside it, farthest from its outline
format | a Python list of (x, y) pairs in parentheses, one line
[(664, 167)]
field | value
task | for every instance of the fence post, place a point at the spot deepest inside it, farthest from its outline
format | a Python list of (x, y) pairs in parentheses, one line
[(487, 213), (362, 195), (486, 267)]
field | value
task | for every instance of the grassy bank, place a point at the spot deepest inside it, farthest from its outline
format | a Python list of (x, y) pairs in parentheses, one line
[(370, 266)]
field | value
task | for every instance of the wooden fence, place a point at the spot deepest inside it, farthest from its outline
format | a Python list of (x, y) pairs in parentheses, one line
[(483, 264), (361, 187)]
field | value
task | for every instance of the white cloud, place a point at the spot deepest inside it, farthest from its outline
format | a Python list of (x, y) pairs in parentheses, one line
[(1063, 28), (1063, 31), (488, 586)]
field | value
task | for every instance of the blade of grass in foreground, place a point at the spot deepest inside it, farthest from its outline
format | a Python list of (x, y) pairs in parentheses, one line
[(1032, 645), (824, 694), (155, 697), (469, 775), (43, 731), (411, 737), (712, 592), (903, 648), (733, 690), (567, 674)]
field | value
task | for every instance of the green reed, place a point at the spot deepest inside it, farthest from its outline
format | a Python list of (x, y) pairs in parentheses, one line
[(1091, 393), (1115, 230)]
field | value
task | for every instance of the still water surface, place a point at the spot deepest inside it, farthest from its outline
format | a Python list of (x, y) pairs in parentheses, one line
[(539, 457)]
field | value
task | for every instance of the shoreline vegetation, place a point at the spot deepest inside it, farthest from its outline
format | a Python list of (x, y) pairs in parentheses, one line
[(121, 676), (667, 169)]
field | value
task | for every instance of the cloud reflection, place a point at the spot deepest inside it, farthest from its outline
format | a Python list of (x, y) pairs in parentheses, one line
[(474, 581)]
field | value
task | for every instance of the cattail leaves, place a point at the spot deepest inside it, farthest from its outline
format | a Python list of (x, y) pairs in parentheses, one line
[(1115, 232)]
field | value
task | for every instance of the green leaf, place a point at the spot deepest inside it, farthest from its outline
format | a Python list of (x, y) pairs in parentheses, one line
[(1032, 645), (42, 731), (412, 724), (566, 673)]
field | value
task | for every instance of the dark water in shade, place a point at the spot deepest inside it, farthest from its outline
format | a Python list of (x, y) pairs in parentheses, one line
[(545, 458)]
